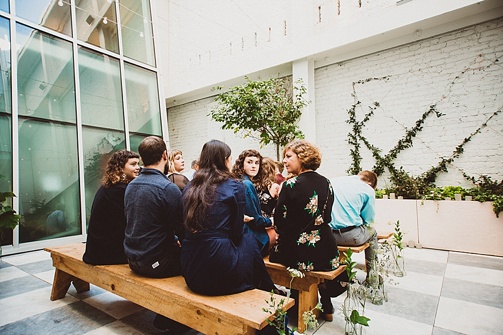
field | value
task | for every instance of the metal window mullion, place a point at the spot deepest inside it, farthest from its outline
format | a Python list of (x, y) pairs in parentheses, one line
[(122, 76), (78, 110), (160, 90), (14, 121)]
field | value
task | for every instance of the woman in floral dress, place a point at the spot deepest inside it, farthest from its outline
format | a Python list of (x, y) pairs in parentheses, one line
[(306, 241)]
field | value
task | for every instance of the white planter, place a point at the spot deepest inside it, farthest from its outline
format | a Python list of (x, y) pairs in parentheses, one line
[(448, 225)]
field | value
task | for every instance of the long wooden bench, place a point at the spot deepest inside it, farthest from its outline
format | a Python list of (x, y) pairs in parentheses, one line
[(307, 286), (231, 314)]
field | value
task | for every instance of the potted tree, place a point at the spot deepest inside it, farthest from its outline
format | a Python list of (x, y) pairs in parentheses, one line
[(268, 110)]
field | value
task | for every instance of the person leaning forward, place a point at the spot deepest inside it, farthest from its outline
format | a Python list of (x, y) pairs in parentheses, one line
[(154, 225)]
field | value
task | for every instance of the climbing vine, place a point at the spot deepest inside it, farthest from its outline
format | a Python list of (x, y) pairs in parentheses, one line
[(402, 182)]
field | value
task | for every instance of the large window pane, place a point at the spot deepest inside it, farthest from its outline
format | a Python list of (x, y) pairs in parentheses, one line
[(5, 91), (48, 175), (97, 23), (136, 28), (143, 101), (53, 14), (4, 5), (98, 144), (45, 76), (100, 88), (5, 168), (5, 153)]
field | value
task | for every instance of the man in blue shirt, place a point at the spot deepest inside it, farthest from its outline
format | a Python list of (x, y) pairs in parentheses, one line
[(353, 212), (154, 226)]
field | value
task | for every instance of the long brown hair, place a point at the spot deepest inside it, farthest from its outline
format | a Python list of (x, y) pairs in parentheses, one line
[(268, 173), (201, 193), (238, 167), (114, 170)]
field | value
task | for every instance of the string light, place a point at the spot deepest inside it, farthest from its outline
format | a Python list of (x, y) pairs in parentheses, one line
[(105, 20), (60, 3)]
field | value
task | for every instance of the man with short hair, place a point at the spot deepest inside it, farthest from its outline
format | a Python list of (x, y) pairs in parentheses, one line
[(154, 226), (353, 212)]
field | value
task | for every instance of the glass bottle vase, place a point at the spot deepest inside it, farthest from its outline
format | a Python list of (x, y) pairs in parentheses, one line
[(354, 302)]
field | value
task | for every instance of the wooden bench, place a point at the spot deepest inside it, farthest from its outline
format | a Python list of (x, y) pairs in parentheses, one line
[(360, 248), (307, 286), (239, 313)]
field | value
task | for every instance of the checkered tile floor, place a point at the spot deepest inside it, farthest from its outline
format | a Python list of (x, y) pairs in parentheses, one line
[(443, 293)]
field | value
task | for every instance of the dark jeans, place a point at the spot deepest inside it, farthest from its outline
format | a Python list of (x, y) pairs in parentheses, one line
[(331, 288), (168, 266)]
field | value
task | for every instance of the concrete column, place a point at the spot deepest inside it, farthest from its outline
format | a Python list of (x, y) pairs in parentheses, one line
[(304, 69)]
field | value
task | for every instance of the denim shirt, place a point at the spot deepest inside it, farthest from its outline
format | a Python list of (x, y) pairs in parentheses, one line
[(153, 211)]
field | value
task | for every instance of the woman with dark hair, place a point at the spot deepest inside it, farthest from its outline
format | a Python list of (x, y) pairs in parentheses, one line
[(105, 234), (302, 214), (248, 168), (218, 257)]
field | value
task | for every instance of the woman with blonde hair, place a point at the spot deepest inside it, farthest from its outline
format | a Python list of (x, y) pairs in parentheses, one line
[(105, 234), (302, 214), (176, 165)]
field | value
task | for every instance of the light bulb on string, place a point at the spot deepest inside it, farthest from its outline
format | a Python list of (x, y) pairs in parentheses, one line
[(105, 20)]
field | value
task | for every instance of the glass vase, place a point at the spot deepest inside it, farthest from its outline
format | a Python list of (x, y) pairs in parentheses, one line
[(399, 262), (375, 285), (354, 302)]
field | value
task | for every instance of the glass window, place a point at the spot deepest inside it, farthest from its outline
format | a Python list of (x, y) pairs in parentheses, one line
[(136, 29), (143, 100), (48, 175), (5, 91), (98, 144), (53, 14), (45, 76), (5, 153), (97, 23), (100, 90), (4, 5)]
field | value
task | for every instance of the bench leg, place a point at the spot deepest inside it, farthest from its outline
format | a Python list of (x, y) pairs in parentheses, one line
[(307, 301), (80, 285), (61, 284)]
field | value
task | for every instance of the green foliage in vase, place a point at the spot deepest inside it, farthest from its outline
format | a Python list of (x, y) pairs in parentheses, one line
[(268, 110), (398, 236)]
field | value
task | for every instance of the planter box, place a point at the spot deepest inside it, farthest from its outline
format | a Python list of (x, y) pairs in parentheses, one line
[(467, 226)]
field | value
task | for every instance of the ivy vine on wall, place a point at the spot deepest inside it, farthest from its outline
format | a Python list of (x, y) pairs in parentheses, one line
[(404, 184)]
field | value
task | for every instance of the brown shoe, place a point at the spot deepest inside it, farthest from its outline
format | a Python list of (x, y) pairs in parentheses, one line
[(328, 317)]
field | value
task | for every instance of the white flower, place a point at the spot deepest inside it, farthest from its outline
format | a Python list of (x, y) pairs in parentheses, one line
[(295, 273)]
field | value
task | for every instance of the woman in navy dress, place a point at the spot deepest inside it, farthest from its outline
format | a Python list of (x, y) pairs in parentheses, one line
[(218, 257)]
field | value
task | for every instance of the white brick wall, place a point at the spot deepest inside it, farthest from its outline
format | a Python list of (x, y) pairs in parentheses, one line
[(461, 72)]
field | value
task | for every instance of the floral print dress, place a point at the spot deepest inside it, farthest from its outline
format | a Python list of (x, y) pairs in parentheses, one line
[(302, 215)]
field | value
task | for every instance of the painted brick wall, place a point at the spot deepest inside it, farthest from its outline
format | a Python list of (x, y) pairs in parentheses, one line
[(460, 73)]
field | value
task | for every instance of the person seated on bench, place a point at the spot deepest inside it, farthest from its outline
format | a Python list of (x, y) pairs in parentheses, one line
[(154, 225), (306, 241), (105, 234), (218, 257), (354, 211)]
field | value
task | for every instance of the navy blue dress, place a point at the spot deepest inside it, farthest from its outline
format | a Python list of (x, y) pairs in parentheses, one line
[(222, 259)]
